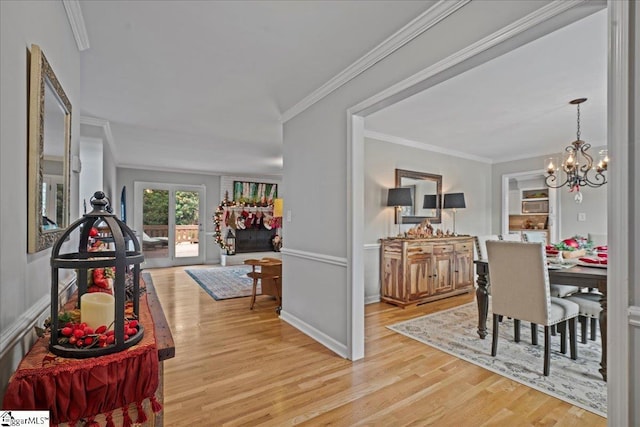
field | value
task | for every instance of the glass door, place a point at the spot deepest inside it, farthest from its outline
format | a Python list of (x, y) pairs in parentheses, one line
[(167, 219)]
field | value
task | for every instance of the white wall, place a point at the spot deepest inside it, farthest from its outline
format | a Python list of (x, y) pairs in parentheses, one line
[(471, 177), (315, 172), (25, 278), (91, 173)]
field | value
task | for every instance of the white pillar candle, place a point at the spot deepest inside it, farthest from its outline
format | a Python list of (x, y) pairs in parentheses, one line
[(97, 309)]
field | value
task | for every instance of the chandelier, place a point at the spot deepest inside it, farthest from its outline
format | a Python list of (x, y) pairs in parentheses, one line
[(577, 164)]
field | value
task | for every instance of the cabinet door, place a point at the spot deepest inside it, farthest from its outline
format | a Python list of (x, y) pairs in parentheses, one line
[(392, 283), (463, 270), (442, 269), (419, 275)]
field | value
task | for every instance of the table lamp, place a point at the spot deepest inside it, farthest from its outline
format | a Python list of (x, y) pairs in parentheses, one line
[(431, 202), (397, 198), (454, 201)]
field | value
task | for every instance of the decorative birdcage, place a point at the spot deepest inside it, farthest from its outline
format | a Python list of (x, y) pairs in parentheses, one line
[(107, 265)]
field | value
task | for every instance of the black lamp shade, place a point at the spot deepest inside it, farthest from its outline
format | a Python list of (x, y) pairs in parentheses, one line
[(430, 201), (454, 200), (399, 197)]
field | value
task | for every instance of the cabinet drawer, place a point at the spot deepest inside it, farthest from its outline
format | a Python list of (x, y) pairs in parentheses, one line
[(462, 247), (442, 249), (418, 248)]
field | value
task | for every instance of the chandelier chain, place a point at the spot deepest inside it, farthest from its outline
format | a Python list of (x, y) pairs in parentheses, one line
[(578, 133)]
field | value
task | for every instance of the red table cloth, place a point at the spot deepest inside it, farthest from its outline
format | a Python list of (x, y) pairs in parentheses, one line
[(79, 389)]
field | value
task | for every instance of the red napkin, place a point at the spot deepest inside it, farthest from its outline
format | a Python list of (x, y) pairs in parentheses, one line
[(602, 261)]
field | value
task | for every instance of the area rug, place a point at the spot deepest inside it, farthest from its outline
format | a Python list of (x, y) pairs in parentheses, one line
[(454, 331), (224, 282)]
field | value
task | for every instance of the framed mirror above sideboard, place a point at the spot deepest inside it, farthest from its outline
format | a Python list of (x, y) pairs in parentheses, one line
[(422, 185)]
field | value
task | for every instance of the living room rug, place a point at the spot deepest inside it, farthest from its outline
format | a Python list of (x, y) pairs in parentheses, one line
[(454, 331), (224, 282)]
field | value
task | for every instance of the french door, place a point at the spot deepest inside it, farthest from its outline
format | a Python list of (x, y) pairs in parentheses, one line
[(168, 219)]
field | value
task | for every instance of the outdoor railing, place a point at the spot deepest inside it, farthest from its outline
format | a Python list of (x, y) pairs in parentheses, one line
[(184, 233)]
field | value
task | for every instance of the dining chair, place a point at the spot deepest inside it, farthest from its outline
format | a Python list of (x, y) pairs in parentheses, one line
[(481, 244), (589, 309), (520, 290)]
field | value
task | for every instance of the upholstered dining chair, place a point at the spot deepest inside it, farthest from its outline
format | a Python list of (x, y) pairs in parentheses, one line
[(481, 245), (520, 290), (589, 309)]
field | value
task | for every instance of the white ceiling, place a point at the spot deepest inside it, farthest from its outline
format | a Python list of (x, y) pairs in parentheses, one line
[(202, 85), (514, 106)]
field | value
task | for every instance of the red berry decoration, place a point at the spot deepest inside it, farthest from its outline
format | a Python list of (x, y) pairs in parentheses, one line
[(93, 232), (78, 333), (67, 331)]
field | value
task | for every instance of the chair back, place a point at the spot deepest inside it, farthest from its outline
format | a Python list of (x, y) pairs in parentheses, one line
[(519, 281), (511, 237), (534, 236), (481, 245)]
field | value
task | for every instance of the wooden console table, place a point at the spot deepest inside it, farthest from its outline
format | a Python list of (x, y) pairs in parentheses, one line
[(44, 380), (584, 277)]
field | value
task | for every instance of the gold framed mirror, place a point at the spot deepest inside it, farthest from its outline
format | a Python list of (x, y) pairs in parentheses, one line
[(421, 185), (48, 155)]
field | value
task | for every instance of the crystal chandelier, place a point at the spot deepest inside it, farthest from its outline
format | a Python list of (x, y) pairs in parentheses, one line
[(577, 164)]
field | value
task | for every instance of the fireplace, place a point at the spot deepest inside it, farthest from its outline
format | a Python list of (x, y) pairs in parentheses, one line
[(254, 240)]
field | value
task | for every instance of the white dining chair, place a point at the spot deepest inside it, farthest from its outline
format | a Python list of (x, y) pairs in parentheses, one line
[(520, 290)]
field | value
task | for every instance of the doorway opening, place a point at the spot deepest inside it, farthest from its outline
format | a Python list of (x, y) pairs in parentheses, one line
[(168, 222)]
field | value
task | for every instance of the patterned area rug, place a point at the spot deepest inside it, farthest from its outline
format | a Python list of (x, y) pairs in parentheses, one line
[(224, 282), (575, 381)]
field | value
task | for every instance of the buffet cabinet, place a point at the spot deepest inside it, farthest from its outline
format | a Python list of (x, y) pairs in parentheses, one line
[(414, 271)]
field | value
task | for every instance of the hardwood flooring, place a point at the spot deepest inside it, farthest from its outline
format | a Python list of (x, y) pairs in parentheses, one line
[(236, 367)]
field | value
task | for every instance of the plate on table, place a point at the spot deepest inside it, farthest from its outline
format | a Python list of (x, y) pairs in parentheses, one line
[(592, 262)]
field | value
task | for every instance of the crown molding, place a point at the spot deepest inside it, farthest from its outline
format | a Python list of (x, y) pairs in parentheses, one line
[(76, 21), (424, 146), (537, 17), (413, 29), (106, 129)]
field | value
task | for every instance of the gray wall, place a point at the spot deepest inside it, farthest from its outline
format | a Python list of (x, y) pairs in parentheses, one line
[(316, 146), (471, 177), (25, 278), (594, 202)]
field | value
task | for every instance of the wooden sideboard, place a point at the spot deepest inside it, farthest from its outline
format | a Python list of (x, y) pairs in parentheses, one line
[(414, 271)]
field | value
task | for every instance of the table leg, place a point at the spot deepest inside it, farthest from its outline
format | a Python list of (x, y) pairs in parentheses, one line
[(603, 332), (482, 297)]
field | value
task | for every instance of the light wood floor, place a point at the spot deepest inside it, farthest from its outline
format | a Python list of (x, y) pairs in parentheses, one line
[(236, 367)]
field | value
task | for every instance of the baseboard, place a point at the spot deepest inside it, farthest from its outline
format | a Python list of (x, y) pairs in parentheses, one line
[(333, 345), (371, 299), (23, 326)]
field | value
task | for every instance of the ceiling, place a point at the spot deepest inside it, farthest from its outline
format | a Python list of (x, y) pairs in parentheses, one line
[(514, 106), (202, 86)]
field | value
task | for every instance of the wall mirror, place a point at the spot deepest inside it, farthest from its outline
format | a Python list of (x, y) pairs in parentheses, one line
[(48, 155), (421, 185)]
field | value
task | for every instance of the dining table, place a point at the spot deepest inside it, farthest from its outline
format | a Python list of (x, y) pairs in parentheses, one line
[(577, 275)]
